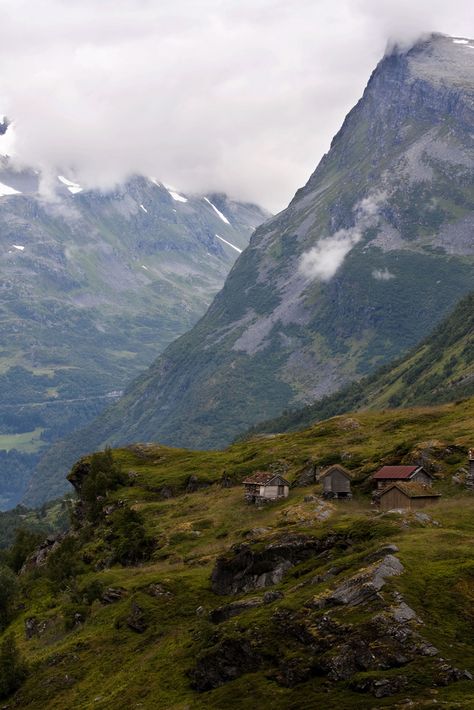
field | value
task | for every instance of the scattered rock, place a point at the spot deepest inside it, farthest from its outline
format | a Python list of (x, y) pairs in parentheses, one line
[(403, 613), (158, 590), (222, 613), (166, 492), (31, 627), (446, 674), (136, 619), (365, 585), (226, 661), (380, 687), (389, 549), (112, 595), (272, 596)]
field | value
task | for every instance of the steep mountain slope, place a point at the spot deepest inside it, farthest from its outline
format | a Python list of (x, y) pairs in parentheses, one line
[(172, 592), (440, 370), (94, 286), (367, 258)]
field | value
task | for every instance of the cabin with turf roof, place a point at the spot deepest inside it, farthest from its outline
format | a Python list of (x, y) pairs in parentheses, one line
[(264, 486), (388, 475), (406, 495), (336, 482)]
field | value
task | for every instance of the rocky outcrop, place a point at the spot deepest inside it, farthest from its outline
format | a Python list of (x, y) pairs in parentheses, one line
[(250, 567), (40, 556), (222, 613), (227, 661)]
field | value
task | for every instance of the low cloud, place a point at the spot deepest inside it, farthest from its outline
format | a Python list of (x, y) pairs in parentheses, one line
[(323, 260), (382, 275), (205, 94)]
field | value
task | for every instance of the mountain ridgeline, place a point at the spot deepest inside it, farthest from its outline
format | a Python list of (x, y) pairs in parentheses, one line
[(368, 257), (94, 285), (440, 370)]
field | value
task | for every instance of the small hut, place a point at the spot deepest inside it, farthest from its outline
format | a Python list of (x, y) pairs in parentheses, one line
[(401, 474), (336, 482), (406, 495), (263, 486)]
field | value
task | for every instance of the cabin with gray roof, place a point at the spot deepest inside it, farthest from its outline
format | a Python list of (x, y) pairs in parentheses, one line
[(336, 482), (264, 486)]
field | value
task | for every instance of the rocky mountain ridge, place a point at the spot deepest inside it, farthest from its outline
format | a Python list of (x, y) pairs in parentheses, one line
[(365, 261)]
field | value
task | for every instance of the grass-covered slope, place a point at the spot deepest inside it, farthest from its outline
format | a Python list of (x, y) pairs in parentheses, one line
[(440, 370), (161, 630), (368, 257)]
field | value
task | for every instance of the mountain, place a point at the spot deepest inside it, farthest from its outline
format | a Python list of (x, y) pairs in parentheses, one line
[(368, 257), (94, 286), (440, 370), (171, 591)]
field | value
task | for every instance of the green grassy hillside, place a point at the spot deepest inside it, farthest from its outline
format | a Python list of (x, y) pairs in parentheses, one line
[(129, 610), (440, 369)]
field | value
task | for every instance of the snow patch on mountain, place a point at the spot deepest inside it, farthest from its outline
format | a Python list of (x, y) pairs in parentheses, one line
[(218, 212), (6, 190), (175, 195), (73, 187), (229, 244)]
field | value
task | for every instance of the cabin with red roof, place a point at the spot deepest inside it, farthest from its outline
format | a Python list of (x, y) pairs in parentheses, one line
[(336, 482), (401, 474), (405, 495), (264, 486)]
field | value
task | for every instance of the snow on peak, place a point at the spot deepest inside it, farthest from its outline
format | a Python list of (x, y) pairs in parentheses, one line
[(6, 190), (228, 243), (175, 195), (144, 208), (458, 40), (19, 247), (218, 212), (73, 187)]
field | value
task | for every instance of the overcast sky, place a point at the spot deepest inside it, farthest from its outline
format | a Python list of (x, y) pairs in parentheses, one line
[(241, 96)]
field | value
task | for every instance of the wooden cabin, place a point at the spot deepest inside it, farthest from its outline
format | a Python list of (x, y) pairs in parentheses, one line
[(401, 474), (412, 496), (336, 482), (263, 486)]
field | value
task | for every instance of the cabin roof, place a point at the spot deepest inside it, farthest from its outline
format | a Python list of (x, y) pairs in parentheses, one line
[(395, 472), (335, 467), (411, 490), (263, 478)]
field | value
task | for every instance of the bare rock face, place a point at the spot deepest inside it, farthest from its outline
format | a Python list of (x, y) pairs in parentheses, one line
[(39, 557), (222, 613), (365, 585), (247, 567)]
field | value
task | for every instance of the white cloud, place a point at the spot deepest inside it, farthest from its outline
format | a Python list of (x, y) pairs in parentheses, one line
[(323, 260), (206, 94), (382, 275)]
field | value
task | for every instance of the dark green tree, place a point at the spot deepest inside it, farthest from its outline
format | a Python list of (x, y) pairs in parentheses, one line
[(8, 592), (13, 669)]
